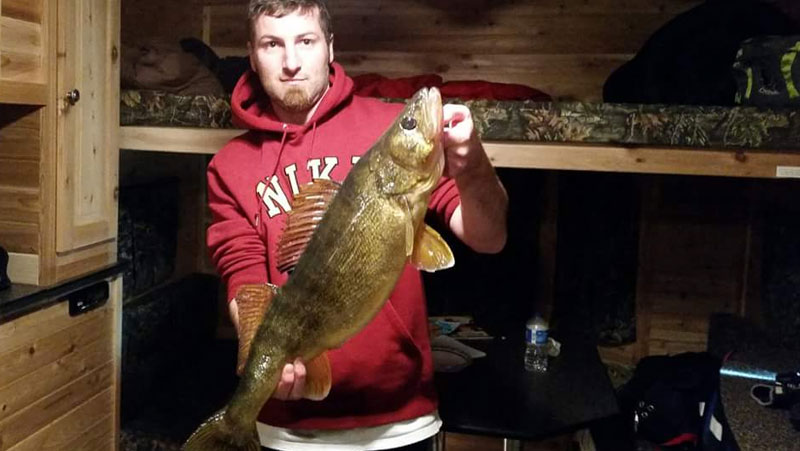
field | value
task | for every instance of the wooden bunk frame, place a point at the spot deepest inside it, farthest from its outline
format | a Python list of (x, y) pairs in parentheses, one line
[(530, 155)]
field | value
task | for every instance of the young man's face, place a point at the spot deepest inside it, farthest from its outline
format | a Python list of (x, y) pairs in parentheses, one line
[(292, 58)]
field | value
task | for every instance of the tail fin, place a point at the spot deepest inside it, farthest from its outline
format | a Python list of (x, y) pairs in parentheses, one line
[(215, 434)]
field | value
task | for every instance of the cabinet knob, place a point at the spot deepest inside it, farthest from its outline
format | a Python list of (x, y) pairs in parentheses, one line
[(73, 96)]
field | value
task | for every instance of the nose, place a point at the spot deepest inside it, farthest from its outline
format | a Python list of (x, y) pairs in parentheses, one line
[(291, 59)]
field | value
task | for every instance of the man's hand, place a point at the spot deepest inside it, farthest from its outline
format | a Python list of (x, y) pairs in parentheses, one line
[(292, 384), (480, 220), (462, 148)]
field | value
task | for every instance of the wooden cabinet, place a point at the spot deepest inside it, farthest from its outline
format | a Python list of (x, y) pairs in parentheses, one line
[(59, 378), (88, 119), (58, 137)]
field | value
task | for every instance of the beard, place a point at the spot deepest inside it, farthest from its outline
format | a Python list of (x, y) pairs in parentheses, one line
[(296, 100)]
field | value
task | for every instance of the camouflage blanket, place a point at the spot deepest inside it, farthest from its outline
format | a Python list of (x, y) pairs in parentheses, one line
[(628, 124)]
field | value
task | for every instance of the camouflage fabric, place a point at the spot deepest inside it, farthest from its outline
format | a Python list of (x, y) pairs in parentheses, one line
[(654, 125), (159, 109)]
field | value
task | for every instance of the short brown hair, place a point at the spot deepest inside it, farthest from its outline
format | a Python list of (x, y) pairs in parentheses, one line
[(280, 8)]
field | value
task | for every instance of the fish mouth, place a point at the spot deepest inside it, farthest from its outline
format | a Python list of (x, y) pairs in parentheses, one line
[(432, 110), (432, 100)]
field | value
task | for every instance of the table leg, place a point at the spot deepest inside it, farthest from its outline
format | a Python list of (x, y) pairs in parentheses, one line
[(512, 445), (439, 441)]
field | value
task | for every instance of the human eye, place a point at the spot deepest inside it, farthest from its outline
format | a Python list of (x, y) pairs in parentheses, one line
[(269, 44)]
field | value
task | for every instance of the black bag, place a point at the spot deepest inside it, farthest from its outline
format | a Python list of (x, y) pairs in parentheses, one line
[(673, 402), (767, 71)]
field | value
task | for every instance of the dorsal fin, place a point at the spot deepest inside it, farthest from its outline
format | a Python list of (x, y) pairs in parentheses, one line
[(308, 207)]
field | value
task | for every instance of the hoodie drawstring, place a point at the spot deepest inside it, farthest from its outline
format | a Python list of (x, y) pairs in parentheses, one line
[(313, 136)]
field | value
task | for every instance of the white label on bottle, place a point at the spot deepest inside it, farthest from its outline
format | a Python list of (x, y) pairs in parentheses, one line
[(792, 172)]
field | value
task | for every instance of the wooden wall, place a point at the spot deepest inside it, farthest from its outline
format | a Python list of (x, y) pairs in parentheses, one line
[(694, 259), (566, 48), (20, 195), (59, 378), (22, 40)]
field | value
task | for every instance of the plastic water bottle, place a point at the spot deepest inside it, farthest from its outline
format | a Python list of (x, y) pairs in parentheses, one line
[(536, 344)]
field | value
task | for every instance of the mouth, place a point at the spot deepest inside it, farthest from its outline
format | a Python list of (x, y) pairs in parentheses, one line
[(432, 99)]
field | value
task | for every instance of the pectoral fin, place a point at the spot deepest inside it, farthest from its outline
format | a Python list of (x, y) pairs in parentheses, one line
[(252, 301), (318, 377), (431, 252)]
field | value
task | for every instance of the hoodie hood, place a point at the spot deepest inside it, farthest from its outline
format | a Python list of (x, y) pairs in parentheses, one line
[(252, 110)]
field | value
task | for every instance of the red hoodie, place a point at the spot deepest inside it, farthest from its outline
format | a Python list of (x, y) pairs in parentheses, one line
[(383, 374)]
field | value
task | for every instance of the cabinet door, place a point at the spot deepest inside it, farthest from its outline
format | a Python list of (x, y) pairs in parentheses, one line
[(87, 123)]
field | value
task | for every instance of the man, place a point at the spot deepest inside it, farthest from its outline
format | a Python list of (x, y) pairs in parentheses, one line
[(305, 123)]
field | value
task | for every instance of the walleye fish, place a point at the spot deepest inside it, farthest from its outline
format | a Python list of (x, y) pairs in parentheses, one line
[(347, 246)]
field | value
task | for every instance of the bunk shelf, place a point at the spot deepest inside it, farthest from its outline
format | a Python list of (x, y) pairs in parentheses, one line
[(531, 155), (23, 93)]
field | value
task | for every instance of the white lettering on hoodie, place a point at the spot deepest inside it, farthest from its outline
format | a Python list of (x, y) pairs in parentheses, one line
[(314, 164), (272, 194)]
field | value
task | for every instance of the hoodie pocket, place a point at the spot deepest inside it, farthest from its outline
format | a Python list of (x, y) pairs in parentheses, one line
[(379, 369)]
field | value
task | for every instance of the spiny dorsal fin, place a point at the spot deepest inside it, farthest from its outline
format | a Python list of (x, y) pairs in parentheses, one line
[(318, 378), (431, 252), (308, 207), (252, 301)]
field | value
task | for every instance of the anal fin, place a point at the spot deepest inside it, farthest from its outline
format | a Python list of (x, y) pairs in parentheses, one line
[(431, 252), (252, 301), (318, 377)]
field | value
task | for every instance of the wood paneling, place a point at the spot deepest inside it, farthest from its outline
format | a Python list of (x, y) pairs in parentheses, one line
[(519, 31), (169, 20), (20, 204), (693, 248), (84, 260), (59, 378), (22, 92), (22, 44), (568, 77), (71, 432), (37, 384), (29, 328), (565, 48), (20, 130), (23, 424), (19, 173), (27, 10), (58, 357), (22, 237)]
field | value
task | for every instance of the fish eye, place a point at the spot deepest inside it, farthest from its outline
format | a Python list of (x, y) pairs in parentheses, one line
[(408, 123)]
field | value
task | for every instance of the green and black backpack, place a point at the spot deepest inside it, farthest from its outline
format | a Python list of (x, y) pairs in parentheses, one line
[(767, 71)]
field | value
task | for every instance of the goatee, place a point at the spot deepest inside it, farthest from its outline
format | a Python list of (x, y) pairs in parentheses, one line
[(296, 101)]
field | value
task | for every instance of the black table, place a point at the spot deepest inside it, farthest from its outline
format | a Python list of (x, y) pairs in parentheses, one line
[(495, 395)]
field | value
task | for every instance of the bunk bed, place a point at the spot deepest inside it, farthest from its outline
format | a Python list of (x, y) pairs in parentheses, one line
[(687, 140)]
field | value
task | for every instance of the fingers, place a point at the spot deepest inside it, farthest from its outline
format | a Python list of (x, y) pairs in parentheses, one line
[(454, 113), (292, 384), (299, 386), (457, 122), (233, 310)]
